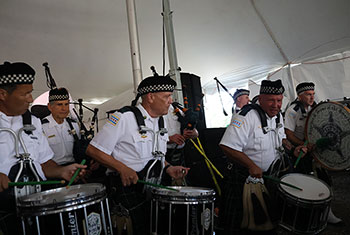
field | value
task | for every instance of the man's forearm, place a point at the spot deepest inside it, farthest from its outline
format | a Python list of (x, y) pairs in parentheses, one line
[(103, 158), (52, 169), (238, 157)]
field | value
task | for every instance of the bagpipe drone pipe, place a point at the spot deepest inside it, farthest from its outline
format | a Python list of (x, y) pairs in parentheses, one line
[(81, 144)]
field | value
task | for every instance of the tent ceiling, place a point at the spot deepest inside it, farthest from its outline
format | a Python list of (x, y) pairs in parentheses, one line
[(86, 42)]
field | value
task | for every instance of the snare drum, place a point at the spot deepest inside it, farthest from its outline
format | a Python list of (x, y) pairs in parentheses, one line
[(306, 211), (190, 210), (80, 209)]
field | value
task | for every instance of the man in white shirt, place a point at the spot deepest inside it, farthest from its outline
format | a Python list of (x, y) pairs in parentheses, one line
[(251, 142), (57, 128), (295, 121), (241, 98), (127, 150), (16, 81)]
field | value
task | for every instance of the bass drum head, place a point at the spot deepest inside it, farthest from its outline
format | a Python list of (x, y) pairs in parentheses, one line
[(328, 126)]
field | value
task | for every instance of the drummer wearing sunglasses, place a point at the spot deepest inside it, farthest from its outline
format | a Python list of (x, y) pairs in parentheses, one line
[(16, 86)]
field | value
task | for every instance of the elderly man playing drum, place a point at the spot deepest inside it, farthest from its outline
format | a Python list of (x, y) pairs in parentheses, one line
[(253, 141), (130, 142), (16, 81), (295, 121)]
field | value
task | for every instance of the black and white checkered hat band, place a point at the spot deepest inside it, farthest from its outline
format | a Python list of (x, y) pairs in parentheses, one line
[(305, 88), (243, 93), (58, 97), (271, 90), (16, 79), (156, 88)]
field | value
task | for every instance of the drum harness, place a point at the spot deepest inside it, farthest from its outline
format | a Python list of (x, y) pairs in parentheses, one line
[(25, 162), (158, 155), (279, 162)]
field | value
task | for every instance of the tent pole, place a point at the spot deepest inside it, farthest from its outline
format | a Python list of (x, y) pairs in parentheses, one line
[(174, 71), (134, 43)]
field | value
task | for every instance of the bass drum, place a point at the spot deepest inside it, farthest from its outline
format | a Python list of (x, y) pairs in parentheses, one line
[(328, 126)]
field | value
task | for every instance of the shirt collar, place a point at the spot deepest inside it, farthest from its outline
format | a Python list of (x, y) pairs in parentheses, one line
[(145, 113), (52, 121)]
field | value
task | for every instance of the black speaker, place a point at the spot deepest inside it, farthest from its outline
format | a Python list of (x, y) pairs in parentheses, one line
[(192, 89)]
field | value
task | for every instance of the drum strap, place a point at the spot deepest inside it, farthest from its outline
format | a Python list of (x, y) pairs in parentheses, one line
[(140, 119), (27, 120), (262, 116)]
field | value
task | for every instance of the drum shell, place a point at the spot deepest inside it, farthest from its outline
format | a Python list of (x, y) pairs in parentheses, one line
[(300, 215), (183, 212), (48, 213)]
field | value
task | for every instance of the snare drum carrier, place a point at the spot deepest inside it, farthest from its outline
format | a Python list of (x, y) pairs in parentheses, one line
[(79, 209), (25, 169), (281, 163), (153, 170)]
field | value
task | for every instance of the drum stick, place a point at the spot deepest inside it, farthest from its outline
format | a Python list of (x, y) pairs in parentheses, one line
[(157, 185), (281, 182), (300, 154), (36, 183), (75, 174)]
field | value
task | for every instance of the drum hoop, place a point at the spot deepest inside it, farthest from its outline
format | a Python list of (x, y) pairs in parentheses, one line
[(206, 192), (307, 201), (36, 207), (184, 200), (313, 154), (49, 210)]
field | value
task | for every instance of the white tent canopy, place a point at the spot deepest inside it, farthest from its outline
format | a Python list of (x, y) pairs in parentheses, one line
[(86, 42)]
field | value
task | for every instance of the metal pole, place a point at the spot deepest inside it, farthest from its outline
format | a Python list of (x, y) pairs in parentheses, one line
[(174, 71), (134, 43)]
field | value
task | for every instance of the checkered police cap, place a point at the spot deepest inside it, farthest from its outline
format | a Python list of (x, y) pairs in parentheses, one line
[(16, 73), (305, 86), (58, 94), (240, 92), (156, 84), (271, 87)]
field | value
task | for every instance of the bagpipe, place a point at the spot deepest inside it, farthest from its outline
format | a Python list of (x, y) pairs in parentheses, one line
[(190, 117), (86, 135)]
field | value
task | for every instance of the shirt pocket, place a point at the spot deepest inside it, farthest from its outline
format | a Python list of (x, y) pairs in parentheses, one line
[(143, 143), (32, 144), (259, 140)]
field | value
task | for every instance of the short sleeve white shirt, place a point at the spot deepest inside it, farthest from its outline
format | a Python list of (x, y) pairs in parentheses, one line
[(295, 121), (173, 126), (245, 134), (36, 144), (60, 139), (121, 139)]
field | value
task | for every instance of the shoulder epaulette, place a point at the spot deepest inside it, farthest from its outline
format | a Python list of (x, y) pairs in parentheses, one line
[(70, 119), (139, 117), (261, 113), (44, 121), (299, 105)]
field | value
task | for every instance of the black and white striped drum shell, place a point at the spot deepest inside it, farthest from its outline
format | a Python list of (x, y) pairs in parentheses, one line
[(184, 195)]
